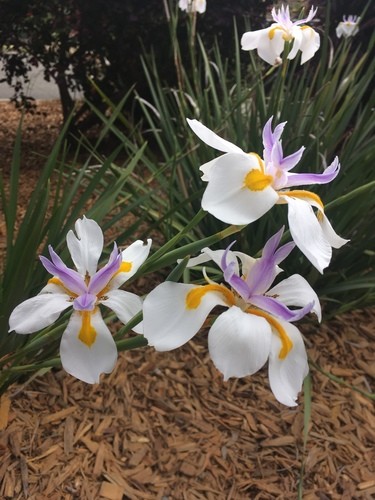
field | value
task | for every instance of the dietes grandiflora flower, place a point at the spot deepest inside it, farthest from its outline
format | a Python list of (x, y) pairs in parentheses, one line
[(87, 348), (256, 326)]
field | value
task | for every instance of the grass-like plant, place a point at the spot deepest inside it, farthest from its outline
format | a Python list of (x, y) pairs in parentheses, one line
[(328, 104)]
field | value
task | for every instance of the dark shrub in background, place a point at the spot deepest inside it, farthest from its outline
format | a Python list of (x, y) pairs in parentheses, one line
[(103, 39)]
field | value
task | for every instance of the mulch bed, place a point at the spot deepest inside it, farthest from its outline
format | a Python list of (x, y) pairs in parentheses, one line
[(165, 426)]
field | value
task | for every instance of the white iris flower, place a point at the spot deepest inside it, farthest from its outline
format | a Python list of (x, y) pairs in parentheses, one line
[(87, 348), (256, 326), (270, 42), (242, 187), (193, 5), (348, 27)]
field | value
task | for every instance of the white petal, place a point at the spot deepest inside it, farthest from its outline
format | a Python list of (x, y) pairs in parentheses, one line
[(310, 43), (307, 233), (212, 139), (226, 196), (250, 39), (38, 312), (206, 169), (85, 248), (132, 258), (125, 305), (296, 291), (287, 375), (87, 362), (167, 322), (269, 49), (329, 233), (297, 40), (239, 343), (331, 236)]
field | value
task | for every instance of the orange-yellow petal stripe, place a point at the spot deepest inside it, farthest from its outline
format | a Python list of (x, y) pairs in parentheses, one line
[(301, 193), (87, 333), (194, 296), (287, 344)]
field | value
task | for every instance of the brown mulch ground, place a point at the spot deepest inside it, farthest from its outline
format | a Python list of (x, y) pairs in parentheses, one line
[(165, 425)]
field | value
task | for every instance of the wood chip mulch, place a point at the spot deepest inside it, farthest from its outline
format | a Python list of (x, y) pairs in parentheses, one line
[(166, 426)]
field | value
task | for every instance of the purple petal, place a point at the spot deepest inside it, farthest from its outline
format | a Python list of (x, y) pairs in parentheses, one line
[(223, 262), (85, 302), (100, 279), (291, 161), (272, 244), (276, 308), (277, 154), (231, 277), (261, 276), (281, 16), (236, 282), (311, 14), (279, 129), (305, 179), (72, 280), (265, 270), (283, 252), (268, 139)]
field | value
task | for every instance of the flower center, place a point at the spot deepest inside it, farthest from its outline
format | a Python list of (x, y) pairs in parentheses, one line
[(256, 180)]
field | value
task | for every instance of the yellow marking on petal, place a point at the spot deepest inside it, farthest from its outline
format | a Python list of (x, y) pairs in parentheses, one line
[(273, 30), (301, 193), (87, 333), (57, 281), (125, 267), (195, 295), (256, 180), (286, 343)]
